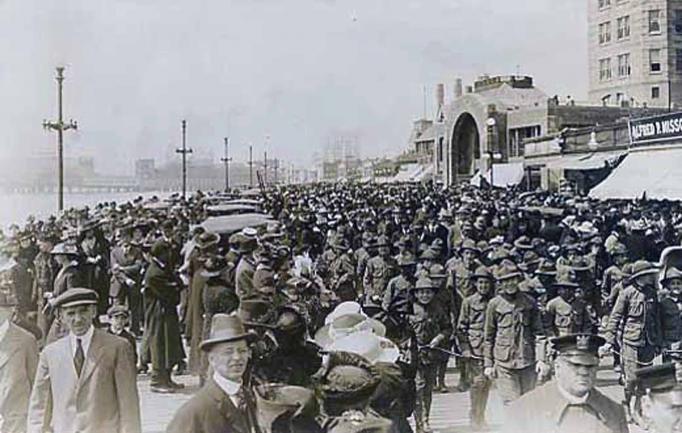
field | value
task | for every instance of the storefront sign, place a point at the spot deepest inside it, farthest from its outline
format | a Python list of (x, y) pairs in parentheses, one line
[(664, 127)]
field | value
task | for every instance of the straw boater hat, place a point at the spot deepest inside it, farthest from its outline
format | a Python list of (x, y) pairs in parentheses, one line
[(224, 329)]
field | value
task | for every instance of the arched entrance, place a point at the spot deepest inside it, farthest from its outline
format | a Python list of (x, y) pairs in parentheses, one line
[(465, 145)]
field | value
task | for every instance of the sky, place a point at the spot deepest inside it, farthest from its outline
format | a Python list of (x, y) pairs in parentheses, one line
[(282, 75)]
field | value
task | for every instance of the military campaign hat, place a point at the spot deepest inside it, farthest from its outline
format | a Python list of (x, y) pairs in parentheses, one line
[(659, 379), (437, 272), (483, 272), (76, 296), (523, 243), (579, 348), (425, 283), (641, 268), (429, 254), (405, 260), (671, 273), (546, 267), (207, 240), (470, 245), (506, 270), (566, 277)]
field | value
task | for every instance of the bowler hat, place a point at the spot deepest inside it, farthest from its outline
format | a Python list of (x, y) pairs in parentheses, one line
[(76, 296), (226, 328)]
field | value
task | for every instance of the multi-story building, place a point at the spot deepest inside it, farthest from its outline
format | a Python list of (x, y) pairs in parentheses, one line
[(635, 52)]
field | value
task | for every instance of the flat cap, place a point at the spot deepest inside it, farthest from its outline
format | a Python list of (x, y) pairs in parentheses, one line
[(76, 296)]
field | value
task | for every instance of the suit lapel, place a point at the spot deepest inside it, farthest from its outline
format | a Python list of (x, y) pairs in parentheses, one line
[(92, 357), (226, 408), (8, 346)]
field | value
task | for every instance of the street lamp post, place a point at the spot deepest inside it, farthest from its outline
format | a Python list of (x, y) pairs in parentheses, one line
[(60, 127), (250, 165), (184, 151), (226, 160)]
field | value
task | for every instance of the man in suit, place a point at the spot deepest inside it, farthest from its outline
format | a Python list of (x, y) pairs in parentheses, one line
[(86, 380), (225, 403), (571, 403), (18, 361), (659, 389)]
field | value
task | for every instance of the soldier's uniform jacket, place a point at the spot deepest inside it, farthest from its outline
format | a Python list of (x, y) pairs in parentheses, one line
[(427, 322), (563, 317), (397, 293), (671, 319), (511, 330), (343, 278), (611, 277), (361, 257), (378, 273), (471, 324), (459, 277), (638, 314), (324, 262)]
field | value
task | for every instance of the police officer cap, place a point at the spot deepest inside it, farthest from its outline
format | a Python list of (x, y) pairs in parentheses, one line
[(659, 379), (76, 296), (579, 348)]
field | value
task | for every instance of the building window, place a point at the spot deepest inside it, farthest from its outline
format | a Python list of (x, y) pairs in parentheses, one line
[(605, 32), (677, 24), (655, 60), (623, 27), (604, 3), (655, 92), (624, 65), (655, 21), (605, 69)]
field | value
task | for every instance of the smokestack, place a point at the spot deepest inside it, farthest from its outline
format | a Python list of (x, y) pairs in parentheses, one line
[(458, 88), (440, 95)]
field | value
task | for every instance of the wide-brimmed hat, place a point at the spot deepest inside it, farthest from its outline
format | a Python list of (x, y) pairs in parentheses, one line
[(469, 245), (566, 277), (641, 268), (76, 296), (347, 324), (226, 328), (437, 272), (347, 307), (506, 270), (278, 403), (546, 267), (368, 345), (429, 254), (406, 260), (254, 312), (425, 283), (483, 272), (523, 243), (89, 225), (207, 240), (65, 250), (348, 382), (671, 273)]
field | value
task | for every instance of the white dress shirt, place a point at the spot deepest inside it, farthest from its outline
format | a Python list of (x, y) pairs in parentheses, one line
[(4, 328), (229, 387), (85, 341)]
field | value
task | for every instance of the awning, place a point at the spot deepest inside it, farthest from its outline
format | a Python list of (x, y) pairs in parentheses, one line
[(590, 161), (505, 174), (655, 172)]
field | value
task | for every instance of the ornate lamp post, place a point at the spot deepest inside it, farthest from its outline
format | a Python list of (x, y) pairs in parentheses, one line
[(60, 127)]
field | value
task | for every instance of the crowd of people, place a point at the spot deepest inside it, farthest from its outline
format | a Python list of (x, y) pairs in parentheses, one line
[(343, 311)]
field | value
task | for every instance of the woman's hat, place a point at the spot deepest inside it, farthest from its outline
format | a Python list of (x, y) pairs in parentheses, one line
[(368, 345)]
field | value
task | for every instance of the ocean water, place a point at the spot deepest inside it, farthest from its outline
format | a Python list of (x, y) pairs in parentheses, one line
[(15, 208)]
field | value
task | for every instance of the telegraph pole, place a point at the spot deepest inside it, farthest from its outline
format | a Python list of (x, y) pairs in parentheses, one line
[(60, 127), (251, 165), (265, 168), (276, 169), (184, 151), (226, 160)]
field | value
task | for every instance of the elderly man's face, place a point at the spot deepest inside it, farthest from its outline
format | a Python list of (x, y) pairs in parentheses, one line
[(230, 359), (576, 379), (663, 411), (78, 318)]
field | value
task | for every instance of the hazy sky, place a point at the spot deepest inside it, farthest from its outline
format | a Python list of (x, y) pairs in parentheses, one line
[(295, 70)]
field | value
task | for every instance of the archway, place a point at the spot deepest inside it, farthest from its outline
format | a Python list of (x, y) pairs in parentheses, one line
[(465, 145)]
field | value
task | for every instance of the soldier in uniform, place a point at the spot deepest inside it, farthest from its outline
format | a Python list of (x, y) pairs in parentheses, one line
[(380, 269), (637, 313), (397, 297), (571, 403), (670, 298), (431, 327), (343, 279), (568, 313), (470, 336), (513, 327)]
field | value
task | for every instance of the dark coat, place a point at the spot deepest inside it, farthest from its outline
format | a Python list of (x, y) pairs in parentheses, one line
[(18, 363), (162, 331), (209, 411)]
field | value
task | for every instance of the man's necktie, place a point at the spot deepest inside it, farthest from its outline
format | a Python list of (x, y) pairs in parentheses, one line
[(79, 357)]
